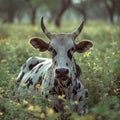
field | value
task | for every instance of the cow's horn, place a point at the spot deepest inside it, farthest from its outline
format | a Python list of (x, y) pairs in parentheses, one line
[(78, 30), (47, 33)]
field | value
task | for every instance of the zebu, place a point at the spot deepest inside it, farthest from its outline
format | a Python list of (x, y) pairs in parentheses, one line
[(57, 76)]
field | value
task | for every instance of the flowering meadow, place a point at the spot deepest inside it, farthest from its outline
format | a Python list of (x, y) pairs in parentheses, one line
[(100, 71)]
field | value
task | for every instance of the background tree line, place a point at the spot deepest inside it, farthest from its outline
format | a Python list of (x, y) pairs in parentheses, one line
[(56, 9)]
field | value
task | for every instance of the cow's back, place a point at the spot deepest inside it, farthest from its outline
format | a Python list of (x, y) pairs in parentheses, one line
[(33, 74)]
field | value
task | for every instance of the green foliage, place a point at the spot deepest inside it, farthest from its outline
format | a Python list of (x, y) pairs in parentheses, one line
[(100, 68), (36, 3), (4, 32)]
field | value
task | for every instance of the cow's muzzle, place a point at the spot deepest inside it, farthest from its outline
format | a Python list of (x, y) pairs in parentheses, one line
[(62, 73)]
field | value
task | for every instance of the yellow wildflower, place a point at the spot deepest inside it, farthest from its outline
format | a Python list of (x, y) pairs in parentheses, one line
[(94, 63), (1, 96), (88, 117), (12, 79), (18, 104), (49, 100), (113, 43), (31, 108), (50, 111), (24, 85), (3, 61), (25, 102), (113, 53), (87, 54), (37, 86), (35, 28), (42, 115), (61, 96), (66, 107), (1, 113), (11, 101), (76, 102), (38, 108)]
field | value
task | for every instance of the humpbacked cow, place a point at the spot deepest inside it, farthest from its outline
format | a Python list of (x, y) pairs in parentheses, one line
[(57, 76)]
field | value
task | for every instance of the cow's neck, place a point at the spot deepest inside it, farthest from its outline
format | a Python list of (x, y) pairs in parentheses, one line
[(66, 87), (76, 71)]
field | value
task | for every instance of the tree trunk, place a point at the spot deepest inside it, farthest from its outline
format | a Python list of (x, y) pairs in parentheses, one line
[(58, 18), (33, 12), (33, 16), (52, 16), (64, 6), (111, 9), (10, 18), (111, 15)]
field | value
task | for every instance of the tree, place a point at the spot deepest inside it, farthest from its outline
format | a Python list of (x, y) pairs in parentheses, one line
[(9, 9), (65, 4), (34, 5), (53, 8), (81, 7), (118, 9), (111, 6)]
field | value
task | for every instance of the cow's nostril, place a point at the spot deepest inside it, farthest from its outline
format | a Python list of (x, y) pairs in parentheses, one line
[(66, 71), (57, 71), (62, 71)]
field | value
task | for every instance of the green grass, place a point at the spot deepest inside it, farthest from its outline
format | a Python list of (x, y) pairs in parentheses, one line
[(100, 68)]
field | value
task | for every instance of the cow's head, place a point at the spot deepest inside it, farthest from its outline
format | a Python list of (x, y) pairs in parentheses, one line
[(62, 47)]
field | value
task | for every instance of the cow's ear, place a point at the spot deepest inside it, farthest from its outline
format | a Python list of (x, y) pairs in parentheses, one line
[(83, 46), (38, 43)]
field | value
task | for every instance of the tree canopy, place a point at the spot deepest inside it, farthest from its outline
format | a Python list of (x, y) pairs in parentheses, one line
[(55, 9)]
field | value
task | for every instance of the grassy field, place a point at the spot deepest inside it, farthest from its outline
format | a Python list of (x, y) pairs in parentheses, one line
[(100, 68)]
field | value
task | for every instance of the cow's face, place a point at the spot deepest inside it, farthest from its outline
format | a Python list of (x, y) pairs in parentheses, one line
[(62, 47)]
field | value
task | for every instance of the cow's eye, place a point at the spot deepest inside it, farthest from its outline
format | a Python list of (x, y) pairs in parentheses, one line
[(70, 52), (50, 49), (54, 53)]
